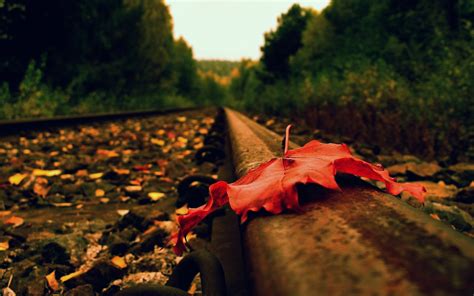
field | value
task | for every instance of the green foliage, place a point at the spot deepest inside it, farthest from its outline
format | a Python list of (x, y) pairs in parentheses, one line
[(34, 99), (94, 56), (284, 42), (219, 67), (401, 72)]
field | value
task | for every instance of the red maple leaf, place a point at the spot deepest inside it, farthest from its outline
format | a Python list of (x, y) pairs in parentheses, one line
[(272, 185)]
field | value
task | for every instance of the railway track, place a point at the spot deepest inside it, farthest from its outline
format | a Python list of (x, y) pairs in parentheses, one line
[(359, 241)]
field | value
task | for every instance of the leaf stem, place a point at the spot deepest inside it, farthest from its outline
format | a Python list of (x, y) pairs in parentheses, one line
[(287, 138)]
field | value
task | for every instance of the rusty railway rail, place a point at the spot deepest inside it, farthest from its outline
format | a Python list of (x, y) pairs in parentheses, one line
[(359, 241), (9, 127)]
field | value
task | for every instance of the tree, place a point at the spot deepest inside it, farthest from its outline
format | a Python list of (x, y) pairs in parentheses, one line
[(284, 42)]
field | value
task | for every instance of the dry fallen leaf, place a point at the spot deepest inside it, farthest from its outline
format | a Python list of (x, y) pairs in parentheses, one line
[(181, 118), (155, 196), (15, 221), (62, 204), (134, 188), (41, 187), (99, 193), (96, 176), (123, 212), (107, 153), (17, 178), (158, 142), (70, 276), (119, 262), (4, 245), (52, 282), (104, 200), (5, 213), (182, 211), (192, 289), (67, 177), (8, 292), (122, 171), (182, 140), (46, 173)]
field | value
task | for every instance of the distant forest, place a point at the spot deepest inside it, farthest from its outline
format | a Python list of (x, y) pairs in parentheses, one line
[(394, 73), (63, 57)]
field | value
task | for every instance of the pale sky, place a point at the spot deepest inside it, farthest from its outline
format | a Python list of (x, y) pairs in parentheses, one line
[(232, 29)]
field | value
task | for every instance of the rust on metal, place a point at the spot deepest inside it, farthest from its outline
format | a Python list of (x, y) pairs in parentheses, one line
[(358, 241)]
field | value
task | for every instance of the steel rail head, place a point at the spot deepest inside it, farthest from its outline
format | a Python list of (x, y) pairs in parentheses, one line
[(360, 241), (9, 127)]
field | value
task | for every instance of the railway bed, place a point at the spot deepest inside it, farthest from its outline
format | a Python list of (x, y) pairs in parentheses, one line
[(89, 204)]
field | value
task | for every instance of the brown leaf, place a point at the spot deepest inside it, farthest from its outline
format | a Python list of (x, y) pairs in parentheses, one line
[(15, 221), (52, 282), (41, 187), (4, 245), (122, 171), (107, 153)]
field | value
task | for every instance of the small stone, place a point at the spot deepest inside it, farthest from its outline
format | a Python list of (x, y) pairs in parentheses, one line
[(83, 290), (466, 195), (415, 171), (452, 214), (155, 238), (54, 253), (101, 274), (438, 191)]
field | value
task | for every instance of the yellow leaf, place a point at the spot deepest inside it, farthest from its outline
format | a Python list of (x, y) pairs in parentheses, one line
[(52, 282), (17, 178), (158, 142), (203, 131), (119, 262), (46, 173), (96, 176), (181, 118), (182, 140), (70, 276), (62, 204), (182, 211), (4, 246), (104, 200), (190, 236), (154, 196), (99, 193), (161, 132), (123, 212)]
